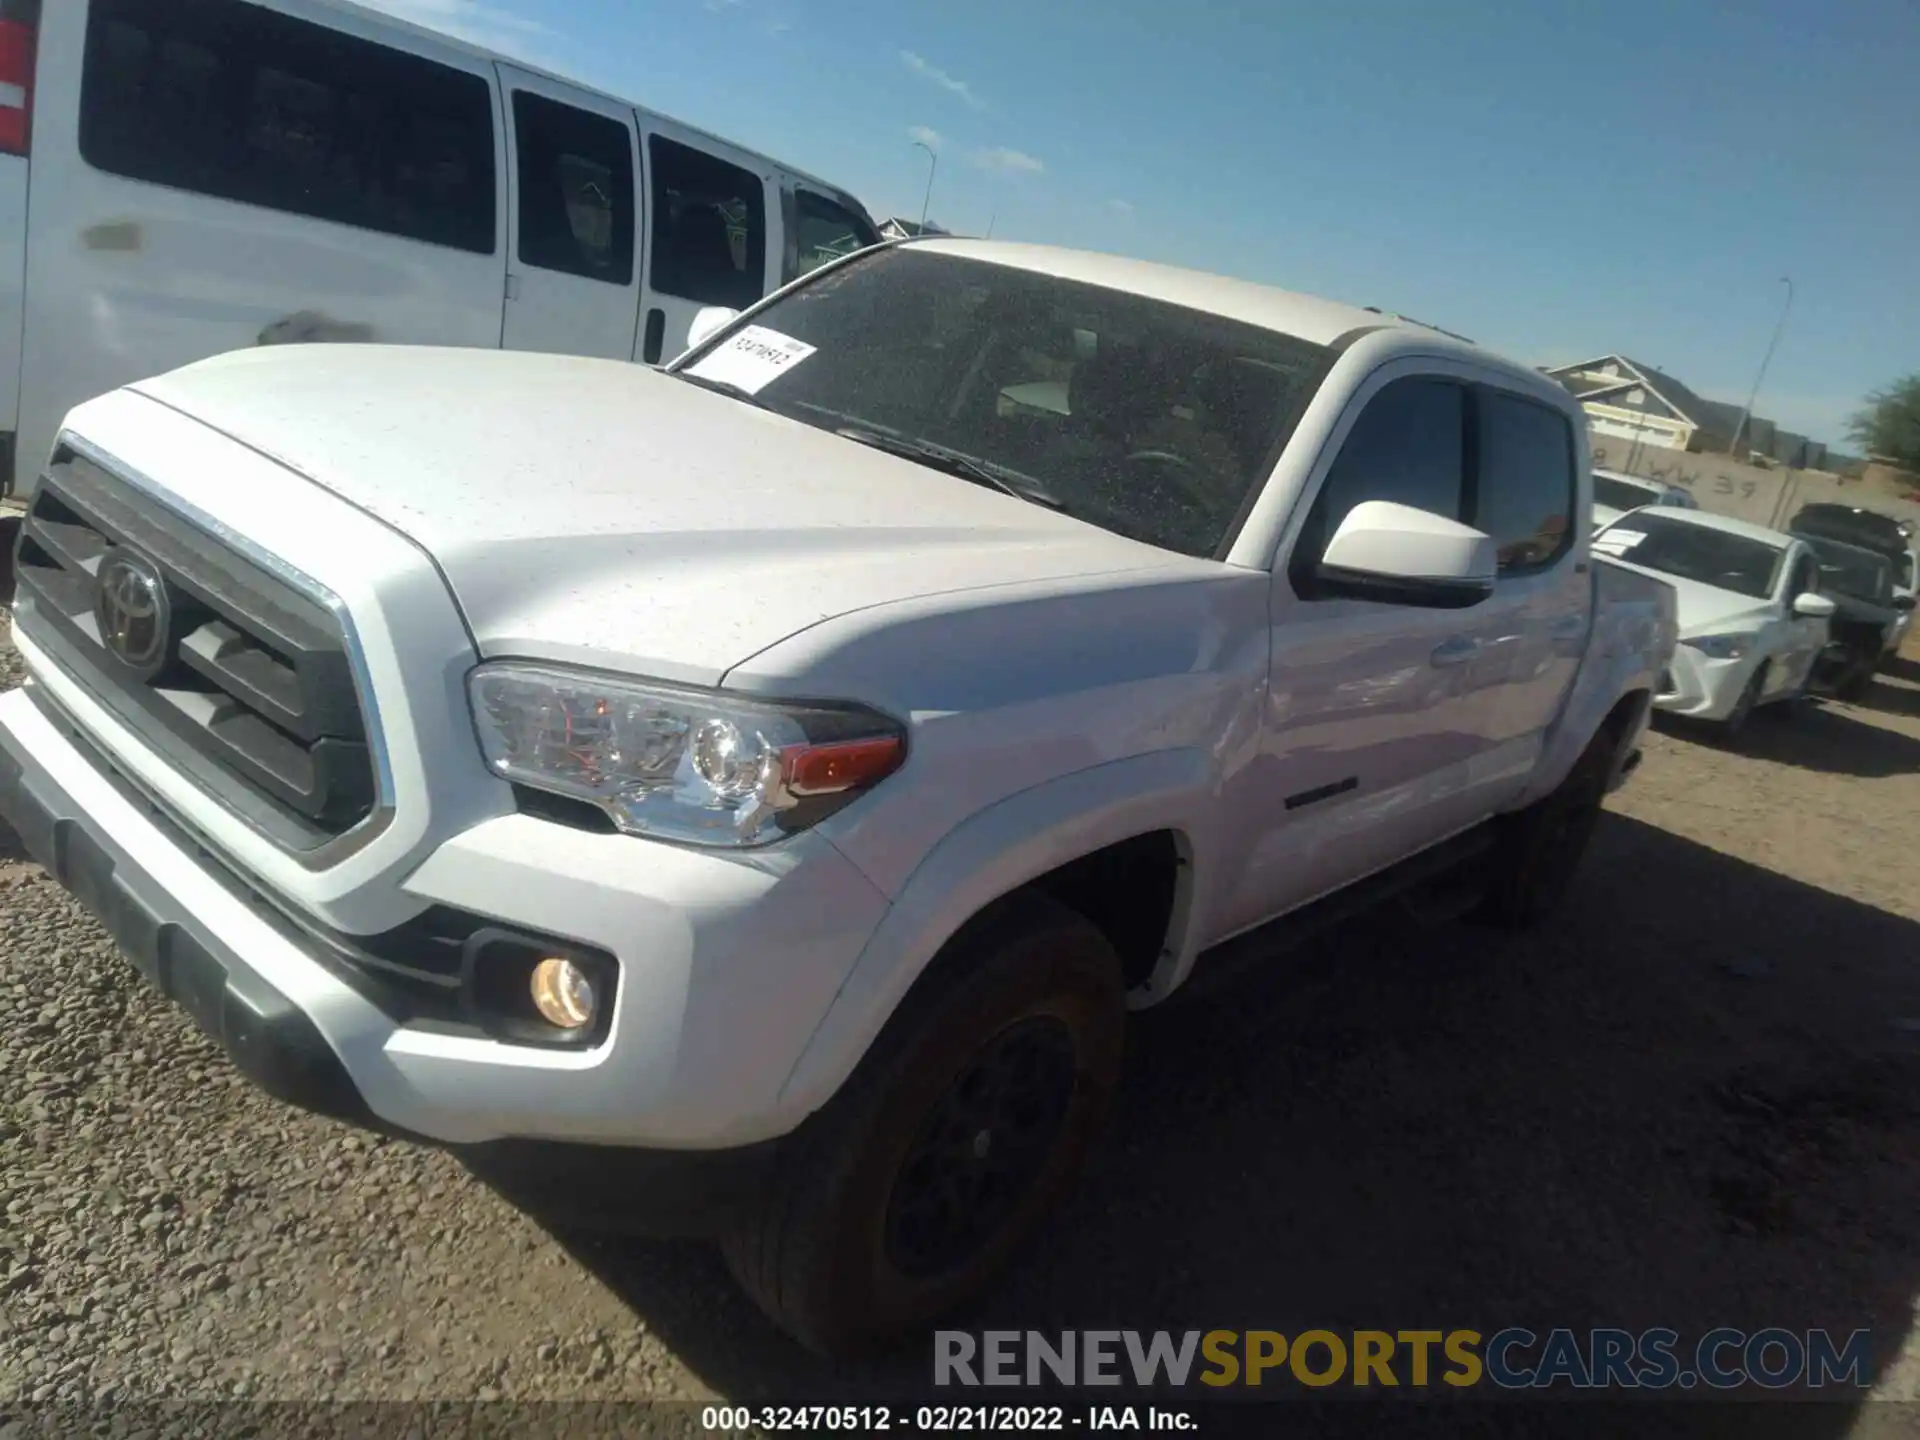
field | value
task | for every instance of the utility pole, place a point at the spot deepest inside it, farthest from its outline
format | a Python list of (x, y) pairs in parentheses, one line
[(933, 164), (1733, 446)]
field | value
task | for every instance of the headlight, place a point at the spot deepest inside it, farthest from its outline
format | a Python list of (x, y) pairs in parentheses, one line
[(1723, 647), (679, 764)]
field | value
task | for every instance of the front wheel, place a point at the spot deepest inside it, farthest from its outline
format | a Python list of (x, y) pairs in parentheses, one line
[(968, 1120)]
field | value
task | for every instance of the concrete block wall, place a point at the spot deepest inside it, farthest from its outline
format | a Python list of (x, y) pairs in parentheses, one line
[(1747, 492)]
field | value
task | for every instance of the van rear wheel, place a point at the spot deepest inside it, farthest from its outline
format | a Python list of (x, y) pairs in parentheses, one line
[(970, 1117)]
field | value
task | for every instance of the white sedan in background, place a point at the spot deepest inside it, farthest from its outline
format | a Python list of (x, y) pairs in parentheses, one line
[(1751, 622), (1615, 494)]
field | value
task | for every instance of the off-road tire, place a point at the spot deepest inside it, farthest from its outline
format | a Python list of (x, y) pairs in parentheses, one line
[(817, 1257), (1536, 851)]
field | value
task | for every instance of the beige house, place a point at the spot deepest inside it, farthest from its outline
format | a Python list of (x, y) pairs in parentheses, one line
[(1626, 400)]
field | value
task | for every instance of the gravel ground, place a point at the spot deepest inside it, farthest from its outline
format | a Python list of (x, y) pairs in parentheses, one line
[(1691, 1104)]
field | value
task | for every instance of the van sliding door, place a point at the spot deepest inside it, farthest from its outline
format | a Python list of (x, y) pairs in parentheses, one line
[(715, 233), (573, 276), (210, 175)]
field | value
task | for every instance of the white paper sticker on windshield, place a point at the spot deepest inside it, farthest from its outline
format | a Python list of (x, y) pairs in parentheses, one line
[(1619, 539), (752, 359)]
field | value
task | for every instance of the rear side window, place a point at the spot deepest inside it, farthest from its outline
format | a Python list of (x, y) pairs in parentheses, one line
[(576, 190), (709, 227), (1408, 446), (825, 230), (242, 103), (1525, 492)]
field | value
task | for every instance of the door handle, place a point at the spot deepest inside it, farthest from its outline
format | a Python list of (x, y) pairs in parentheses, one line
[(656, 333), (1457, 651)]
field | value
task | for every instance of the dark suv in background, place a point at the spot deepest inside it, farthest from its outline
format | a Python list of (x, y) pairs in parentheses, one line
[(1885, 536)]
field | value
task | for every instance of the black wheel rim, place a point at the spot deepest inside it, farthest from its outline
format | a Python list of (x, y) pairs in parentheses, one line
[(982, 1148)]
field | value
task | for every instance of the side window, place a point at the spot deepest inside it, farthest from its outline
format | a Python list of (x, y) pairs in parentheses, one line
[(825, 230), (1525, 493), (1407, 446), (243, 103), (709, 227), (576, 190)]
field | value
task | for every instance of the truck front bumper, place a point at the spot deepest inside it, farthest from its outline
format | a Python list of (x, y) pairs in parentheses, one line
[(639, 1133)]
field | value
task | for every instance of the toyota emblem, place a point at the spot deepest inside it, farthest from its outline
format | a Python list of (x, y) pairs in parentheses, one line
[(130, 603)]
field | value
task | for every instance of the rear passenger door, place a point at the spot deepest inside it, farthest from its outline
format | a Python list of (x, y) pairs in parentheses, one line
[(210, 175), (573, 273), (714, 228)]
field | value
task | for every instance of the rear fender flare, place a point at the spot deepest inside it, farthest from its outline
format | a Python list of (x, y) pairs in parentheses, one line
[(1611, 672)]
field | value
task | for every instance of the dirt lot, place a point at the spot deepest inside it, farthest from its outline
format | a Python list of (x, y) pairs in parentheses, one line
[(1692, 1104)]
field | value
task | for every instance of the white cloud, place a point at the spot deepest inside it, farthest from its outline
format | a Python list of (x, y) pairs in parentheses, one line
[(930, 138), (1010, 162), (927, 70), (1122, 208), (494, 26)]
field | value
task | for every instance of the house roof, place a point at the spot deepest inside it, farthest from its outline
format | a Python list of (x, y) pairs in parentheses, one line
[(1712, 416)]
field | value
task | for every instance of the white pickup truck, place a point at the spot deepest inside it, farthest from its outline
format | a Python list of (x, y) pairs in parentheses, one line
[(746, 799)]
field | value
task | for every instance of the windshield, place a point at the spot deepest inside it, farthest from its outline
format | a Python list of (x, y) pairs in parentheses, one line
[(1620, 494), (1694, 552), (1149, 419), (1851, 571)]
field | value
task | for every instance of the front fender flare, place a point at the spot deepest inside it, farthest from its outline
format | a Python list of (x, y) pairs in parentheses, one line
[(995, 852)]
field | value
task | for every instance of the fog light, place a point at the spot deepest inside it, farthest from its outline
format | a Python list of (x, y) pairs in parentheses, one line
[(562, 993)]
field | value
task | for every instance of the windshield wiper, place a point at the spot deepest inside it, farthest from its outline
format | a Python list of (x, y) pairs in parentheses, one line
[(953, 462), (722, 387)]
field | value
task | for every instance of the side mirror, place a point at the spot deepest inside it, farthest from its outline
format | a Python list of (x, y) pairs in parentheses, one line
[(1815, 607), (1402, 556), (710, 320), (1904, 604)]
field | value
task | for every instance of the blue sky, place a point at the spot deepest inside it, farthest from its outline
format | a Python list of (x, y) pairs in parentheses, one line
[(1555, 179)]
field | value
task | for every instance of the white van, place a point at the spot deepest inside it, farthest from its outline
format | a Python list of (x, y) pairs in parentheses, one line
[(180, 178)]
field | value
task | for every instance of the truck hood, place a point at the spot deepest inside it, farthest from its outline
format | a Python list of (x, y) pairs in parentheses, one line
[(604, 513)]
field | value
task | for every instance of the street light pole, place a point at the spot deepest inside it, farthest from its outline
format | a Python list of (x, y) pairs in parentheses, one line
[(1733, 446), (933, 164)]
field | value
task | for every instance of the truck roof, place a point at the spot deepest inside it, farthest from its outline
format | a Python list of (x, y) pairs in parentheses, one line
[(1308, 317)]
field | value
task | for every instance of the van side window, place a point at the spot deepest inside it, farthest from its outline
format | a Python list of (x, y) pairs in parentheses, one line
[(709, 227), (1525, 493), (243, 103), (825, 230), (575, 188), (1407, 446)]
